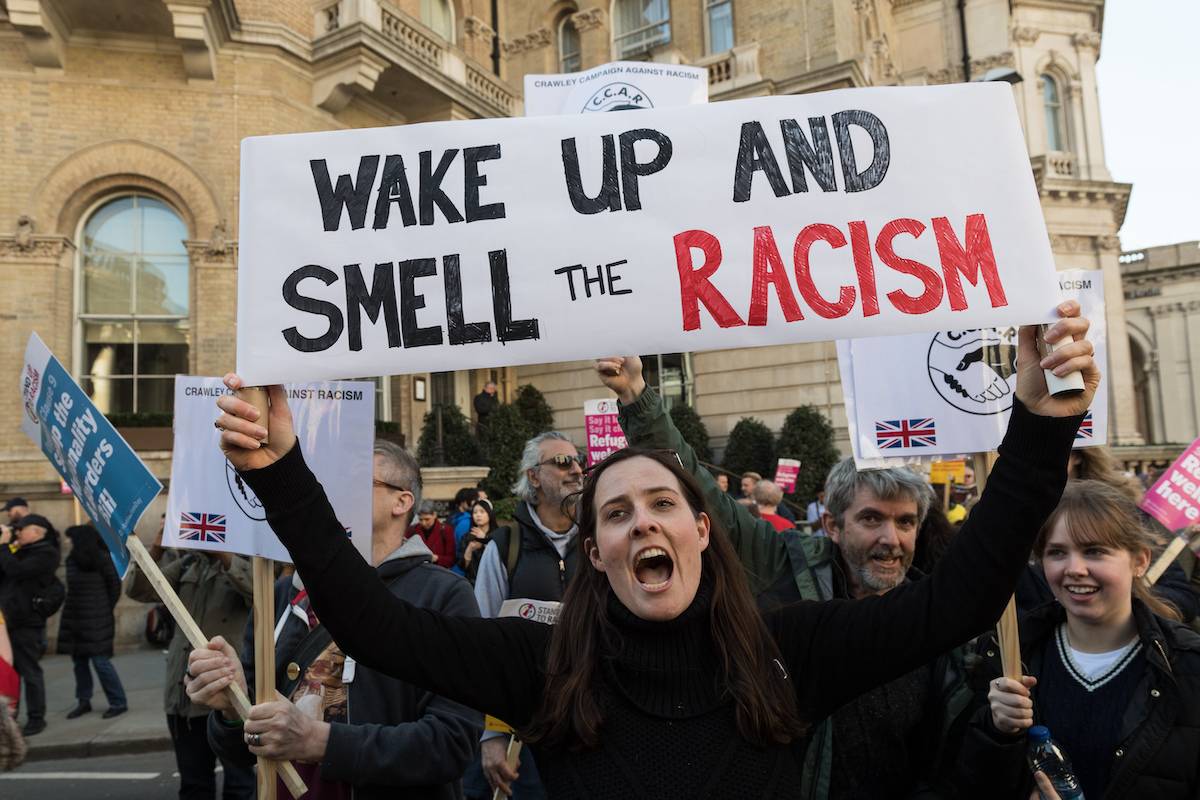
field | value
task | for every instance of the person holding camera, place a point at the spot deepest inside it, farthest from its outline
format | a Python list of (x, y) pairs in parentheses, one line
[(29, 594)]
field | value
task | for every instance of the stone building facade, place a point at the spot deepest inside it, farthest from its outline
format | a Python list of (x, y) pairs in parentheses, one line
[(767, 47), (119, 158), (1162, 308), (119, 162)]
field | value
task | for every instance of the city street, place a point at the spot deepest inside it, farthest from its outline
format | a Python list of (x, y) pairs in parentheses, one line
[(139, 776)]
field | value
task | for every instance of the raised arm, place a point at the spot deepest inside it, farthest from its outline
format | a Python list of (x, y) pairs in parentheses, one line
[(646, 423), (839, 649), (438, 652)]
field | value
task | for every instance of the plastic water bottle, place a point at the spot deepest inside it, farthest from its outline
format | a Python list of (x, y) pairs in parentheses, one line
[(1046, 756)]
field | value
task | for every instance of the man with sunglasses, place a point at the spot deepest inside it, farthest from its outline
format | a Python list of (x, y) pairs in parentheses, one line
[(352, 732), (532, 560)]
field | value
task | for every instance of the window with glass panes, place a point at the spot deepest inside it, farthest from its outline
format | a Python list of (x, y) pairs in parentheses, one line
[(568, 47), (1055, 127), (639, 25), (671, 375), (133, 329), (438, 15), (720, 25)]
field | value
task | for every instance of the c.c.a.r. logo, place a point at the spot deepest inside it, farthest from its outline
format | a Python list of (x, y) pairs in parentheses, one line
[(617, 96)]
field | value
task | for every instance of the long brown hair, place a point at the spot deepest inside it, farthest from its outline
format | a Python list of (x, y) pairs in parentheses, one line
[(1099, 464), (570, 715), (1098, 513)]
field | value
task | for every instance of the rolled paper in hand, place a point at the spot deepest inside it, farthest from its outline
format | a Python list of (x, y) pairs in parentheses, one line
[(1072, 382), (257, 396)]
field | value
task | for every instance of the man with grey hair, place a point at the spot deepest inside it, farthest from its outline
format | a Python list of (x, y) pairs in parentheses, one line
[(351, 731), (534, 561), (893, 740)]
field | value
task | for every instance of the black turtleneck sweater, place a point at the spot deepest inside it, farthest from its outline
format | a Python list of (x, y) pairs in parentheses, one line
[(669, 728)]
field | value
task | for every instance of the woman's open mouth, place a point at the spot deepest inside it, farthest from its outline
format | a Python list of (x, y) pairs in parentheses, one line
[(653, 569)]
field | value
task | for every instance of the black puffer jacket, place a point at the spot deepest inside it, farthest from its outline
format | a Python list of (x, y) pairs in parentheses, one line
[(22, 575), (93, 588), (1160, 735)]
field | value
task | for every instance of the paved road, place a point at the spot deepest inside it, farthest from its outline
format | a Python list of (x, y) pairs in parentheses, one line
[(147, 776)]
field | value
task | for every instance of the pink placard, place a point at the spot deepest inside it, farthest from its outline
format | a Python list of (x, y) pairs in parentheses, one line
[(603, 431), (1174, 500), (786, 472)]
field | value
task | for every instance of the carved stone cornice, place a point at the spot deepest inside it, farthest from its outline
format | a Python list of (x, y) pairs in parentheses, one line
[(588, 19), (1067, 243), (217, 251), (1024, 34), (1086, 40), (475, 28), (980, 66), (530, 41), (1108, 244), (36, 248)]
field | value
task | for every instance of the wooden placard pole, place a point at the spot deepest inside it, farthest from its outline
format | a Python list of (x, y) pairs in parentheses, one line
[(257, 396), (1166, 559), (241, 703), (1006, 627), (513, 757), (264, 658)]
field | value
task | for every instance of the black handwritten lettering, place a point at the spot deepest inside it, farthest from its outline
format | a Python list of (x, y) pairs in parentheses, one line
[(310, 305), (354, 195)]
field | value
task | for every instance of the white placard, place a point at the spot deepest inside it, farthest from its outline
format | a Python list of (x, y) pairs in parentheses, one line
[(706, 237), (951, 392), (210, 507), (617, 86)]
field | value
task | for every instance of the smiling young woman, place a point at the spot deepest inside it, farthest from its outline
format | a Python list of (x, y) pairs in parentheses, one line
[(1110, 670), (661, 679)]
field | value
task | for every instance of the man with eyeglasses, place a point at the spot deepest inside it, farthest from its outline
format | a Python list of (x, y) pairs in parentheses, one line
[(533, 560), (352, 732)]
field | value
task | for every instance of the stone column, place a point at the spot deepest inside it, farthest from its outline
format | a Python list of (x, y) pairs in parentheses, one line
[(1122, 420), (213, 346), (595, 36)]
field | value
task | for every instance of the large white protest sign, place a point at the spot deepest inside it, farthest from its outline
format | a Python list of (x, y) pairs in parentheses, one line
[(209, 507), (952, 391), (618, 86), (455, 245)]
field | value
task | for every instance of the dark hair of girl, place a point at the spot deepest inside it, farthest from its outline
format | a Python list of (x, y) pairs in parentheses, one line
[(487, 506), (1098, 513), (570, 715)]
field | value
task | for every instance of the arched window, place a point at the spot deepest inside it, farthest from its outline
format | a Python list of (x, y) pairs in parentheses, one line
[(639, 25), (1056, 128), (133, 287), (719, 14), (439, 16), (568, 47)]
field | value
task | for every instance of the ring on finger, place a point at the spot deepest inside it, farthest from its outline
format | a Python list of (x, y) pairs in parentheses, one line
[(254, 739)]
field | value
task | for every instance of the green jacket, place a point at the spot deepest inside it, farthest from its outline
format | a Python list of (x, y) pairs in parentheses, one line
[(812, 563), (218, 599)]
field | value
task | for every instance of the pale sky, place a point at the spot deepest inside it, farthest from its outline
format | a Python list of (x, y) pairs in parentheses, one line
[(1149, 80)]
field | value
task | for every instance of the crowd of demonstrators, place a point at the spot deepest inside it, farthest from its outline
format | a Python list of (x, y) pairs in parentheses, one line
[(660, 678), (29, 594), (1109, 669), (470, 549), (437, 535), (351, 730), (86, 628), (217, 589)]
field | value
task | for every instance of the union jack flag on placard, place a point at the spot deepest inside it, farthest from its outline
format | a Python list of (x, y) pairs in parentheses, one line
[(897, 433), (202, 527), (1085, 428)]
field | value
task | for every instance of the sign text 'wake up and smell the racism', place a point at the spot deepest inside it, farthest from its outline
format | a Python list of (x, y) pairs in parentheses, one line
[(467, 244)]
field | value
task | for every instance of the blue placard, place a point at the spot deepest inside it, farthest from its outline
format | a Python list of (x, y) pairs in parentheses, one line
[(107, 476)]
